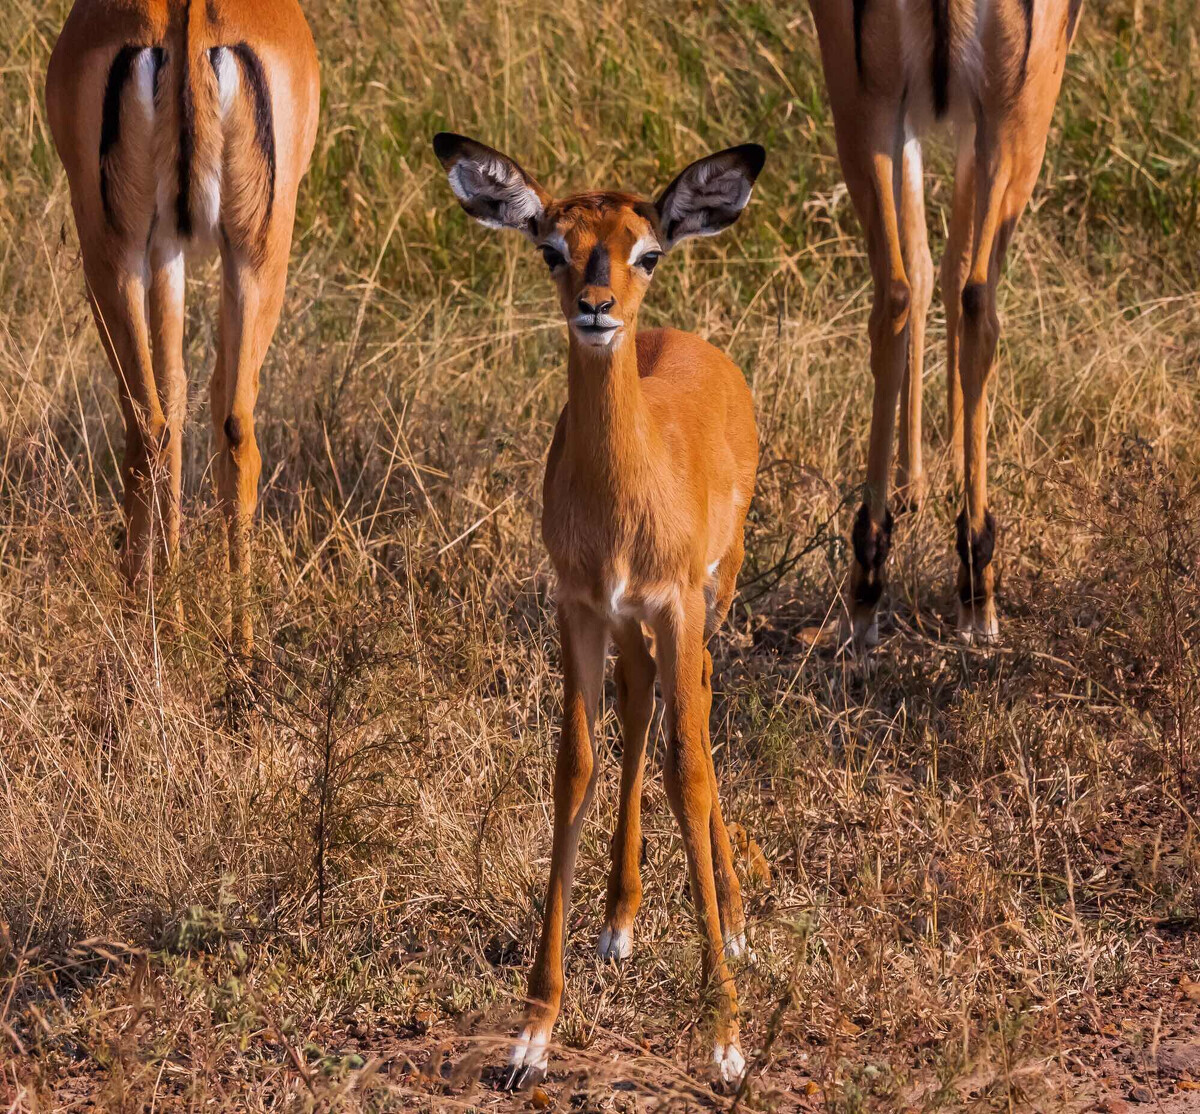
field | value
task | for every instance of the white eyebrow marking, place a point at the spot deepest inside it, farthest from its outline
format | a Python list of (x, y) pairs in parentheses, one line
[(554, 240), (648, 242)]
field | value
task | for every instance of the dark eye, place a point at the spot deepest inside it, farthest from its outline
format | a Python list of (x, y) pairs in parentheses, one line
[(554, 258), (649, 261)]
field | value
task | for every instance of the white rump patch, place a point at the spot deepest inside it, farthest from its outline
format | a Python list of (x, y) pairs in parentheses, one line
[(143, 82), (228, 77)]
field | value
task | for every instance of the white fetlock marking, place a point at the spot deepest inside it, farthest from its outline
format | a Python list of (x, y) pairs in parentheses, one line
[(729, 1061), (737, 946), (615, 945), (530, 1051)]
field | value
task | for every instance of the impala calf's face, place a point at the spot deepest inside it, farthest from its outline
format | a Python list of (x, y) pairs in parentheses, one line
[(601, 248)]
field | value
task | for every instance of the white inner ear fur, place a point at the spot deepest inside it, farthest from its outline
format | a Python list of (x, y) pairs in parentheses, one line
[(648, 242), (498, 180), (706, 189)]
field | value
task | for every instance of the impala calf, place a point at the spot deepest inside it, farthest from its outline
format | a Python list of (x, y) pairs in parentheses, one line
[(992, 68), (184, 125), (647, 485)]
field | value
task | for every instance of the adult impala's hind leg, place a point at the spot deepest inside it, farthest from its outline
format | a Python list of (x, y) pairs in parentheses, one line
[(914, 241), (251, 299), (955, 263), (167, 324), (1005, 175), (634, 675), (872, 183), (118, 297)]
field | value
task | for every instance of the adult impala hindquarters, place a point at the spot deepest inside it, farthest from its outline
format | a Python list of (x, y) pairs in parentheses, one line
[(647, 485), (993, 69), (184, 125)]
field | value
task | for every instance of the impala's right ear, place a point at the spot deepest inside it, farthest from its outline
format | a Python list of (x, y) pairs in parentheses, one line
[(489, 185)]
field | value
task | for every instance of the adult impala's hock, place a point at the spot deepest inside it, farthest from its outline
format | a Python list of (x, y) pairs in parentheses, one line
[(647, 485), (184, 124), (992, 68)]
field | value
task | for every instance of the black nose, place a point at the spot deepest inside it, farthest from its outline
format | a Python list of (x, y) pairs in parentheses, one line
[(595, 310)]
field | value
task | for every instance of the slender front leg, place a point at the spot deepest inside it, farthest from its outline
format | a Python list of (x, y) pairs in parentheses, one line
[(584, 640), (680, 637), (635, 709)]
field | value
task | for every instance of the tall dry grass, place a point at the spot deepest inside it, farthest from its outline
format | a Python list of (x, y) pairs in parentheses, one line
[(970, 851)]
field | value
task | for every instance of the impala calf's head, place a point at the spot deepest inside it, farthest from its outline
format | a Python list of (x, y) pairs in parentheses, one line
[(601, 248)]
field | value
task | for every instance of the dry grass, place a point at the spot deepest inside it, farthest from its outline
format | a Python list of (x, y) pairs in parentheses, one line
[(985, 866)]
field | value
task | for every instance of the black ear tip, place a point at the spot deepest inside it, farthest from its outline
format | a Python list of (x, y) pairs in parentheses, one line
[(446, 144), (755, 155)]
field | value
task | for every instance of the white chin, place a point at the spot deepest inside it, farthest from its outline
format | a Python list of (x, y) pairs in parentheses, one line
[(604, 339)]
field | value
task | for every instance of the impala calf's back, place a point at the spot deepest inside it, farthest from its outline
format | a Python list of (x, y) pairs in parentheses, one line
[(648, 481)]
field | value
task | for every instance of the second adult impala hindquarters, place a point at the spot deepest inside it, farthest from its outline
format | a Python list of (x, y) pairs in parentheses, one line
[(993, 69), (646, 491)]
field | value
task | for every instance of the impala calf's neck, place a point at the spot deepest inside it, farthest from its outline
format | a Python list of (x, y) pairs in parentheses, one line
[(647, 485)]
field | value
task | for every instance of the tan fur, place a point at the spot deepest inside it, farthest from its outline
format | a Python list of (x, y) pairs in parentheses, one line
[(133, 255), (648, 482), (1000, 103)]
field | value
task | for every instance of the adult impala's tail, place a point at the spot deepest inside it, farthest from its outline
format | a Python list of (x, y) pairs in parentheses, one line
[(947, 54), (187, 140)]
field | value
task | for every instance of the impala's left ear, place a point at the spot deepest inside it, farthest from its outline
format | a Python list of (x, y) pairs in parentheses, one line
[(710, 194), (490, 185)]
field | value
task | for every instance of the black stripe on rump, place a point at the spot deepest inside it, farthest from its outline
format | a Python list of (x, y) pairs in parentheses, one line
[(110, 120), (860, 7), (940, 75), (1027, 10), (255, 76), (187, 131)]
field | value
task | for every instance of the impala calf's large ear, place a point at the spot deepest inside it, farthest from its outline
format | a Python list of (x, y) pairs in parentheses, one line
[(489, 185), (710, 194)]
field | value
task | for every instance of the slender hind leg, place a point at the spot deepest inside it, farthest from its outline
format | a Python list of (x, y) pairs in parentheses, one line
[(251, 298), (729, 890), (166, 324), (118, 297), (872, 179), (955, 264), (635, 672), (914, 241), (1006, 169)]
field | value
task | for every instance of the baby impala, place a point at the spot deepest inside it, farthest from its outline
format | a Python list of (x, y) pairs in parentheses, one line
[(649, 478)]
